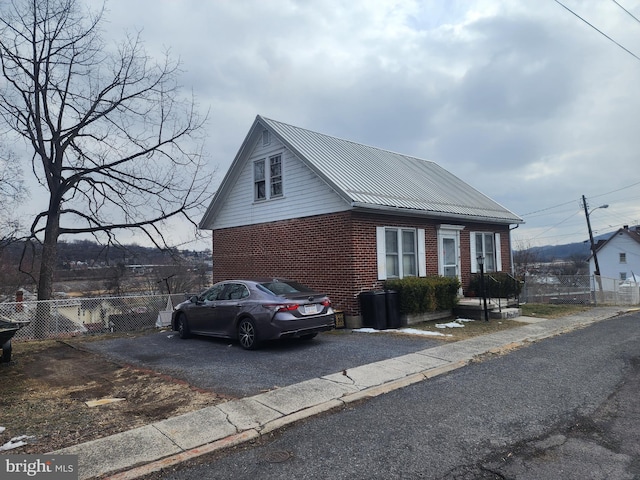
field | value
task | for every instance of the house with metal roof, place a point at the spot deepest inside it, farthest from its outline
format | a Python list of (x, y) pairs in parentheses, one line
[(342, 217), (619, 256)]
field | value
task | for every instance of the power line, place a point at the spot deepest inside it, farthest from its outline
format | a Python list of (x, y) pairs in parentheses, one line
[(548, 208), (598, 30), (630, 14), (559, 223), (529, 214), (617, 190)]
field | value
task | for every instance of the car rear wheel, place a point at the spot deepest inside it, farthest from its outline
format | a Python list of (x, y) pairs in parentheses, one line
[(6, 351), (247, 335), (183, 328)]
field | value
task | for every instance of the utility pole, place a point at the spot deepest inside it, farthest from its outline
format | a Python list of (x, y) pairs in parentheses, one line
[(587, 214), (593, 246)]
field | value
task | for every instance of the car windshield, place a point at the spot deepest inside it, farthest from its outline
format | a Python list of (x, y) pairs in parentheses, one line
[(284, 287)]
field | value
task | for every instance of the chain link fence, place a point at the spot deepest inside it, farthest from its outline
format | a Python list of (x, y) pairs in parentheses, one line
[(579, 289), (89, 316)]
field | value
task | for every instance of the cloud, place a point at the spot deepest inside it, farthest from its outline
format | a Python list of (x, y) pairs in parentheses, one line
[(520, 99)]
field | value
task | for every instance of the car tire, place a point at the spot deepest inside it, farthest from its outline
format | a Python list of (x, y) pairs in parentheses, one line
[(309, 336), (247, 334), (6, 351), (183, 327)]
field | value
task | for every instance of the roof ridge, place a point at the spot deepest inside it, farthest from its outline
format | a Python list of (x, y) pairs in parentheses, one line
[(346, 140)]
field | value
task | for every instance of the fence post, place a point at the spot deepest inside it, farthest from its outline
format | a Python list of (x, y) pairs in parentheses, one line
[(19, 299)]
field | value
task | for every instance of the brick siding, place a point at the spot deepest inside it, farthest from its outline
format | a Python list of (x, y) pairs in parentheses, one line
[(334, 254)]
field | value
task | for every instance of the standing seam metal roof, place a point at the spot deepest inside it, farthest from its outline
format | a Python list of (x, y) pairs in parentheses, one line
[(377, 178)]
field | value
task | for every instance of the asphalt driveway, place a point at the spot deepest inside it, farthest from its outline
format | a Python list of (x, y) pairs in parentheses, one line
[(224, 367)]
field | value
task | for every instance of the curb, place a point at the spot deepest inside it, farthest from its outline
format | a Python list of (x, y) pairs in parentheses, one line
[(274, 425)]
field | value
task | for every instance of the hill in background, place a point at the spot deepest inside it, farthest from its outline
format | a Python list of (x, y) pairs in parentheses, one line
[(549, 253)]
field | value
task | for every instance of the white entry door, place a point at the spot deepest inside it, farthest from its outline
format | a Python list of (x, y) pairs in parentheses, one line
[(449, 257), (449, 251)]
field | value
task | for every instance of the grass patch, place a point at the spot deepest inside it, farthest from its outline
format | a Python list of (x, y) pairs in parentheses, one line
[(545, 310), (470, 329)]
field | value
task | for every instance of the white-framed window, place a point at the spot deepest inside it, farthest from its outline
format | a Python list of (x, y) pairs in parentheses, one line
[(623, 276), (271, 176), (275, 175), (259, 180), (266, 137), (486, 244), (623, 258), (400, 252)]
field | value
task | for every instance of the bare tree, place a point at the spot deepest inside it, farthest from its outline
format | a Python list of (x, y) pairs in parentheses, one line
[(12, 193), (524, 258), (112, 140)]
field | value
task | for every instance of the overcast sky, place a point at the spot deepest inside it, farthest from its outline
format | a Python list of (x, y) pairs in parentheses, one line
[(520, 99)]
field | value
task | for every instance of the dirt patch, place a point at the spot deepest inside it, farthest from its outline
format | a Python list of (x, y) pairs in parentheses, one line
[(44, 389)]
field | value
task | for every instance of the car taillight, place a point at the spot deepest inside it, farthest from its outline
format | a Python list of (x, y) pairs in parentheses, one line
[(289, 307), (326, 302)]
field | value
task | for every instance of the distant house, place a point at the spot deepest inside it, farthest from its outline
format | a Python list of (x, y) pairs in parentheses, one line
[(619, 256), (343, 217)]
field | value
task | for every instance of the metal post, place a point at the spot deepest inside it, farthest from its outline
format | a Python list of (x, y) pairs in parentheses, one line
[(482, 287)]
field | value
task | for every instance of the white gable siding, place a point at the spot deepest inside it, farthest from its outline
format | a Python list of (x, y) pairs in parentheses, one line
[(609, 257), (304, 194)]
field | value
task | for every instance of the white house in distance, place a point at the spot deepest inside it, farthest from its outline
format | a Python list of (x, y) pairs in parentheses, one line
[(619, 256)]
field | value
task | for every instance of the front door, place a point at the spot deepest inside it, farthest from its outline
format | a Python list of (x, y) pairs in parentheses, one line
[(449, 251), (449, 257)]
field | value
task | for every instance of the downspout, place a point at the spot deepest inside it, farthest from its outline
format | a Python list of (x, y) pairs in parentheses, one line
[(513, 271)]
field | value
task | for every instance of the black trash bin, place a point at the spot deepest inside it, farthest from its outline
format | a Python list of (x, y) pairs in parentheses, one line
[(373, 307), (392, 304)]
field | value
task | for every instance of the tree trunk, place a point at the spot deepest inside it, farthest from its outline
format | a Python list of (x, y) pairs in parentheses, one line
[(49, 250), (47, 269), (47, 266)]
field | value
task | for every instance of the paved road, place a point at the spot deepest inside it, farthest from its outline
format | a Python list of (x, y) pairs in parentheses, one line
[(225, 368), (566, 407)]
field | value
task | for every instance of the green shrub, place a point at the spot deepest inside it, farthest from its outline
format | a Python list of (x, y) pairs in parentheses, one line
[(498, 285), (425, 294)]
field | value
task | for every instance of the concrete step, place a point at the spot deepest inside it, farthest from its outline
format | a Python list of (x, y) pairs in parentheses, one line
[(506, 313), (475, 311)]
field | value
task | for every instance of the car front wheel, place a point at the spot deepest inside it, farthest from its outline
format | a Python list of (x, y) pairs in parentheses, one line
[(183, 328), (247, 334)]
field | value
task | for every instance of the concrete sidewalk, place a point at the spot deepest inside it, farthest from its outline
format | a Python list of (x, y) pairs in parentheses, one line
[(150, 448)]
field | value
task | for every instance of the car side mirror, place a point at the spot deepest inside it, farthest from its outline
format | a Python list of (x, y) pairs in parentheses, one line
[(194, 299)]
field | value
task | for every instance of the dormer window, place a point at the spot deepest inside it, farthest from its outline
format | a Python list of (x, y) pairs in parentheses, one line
[(263, 176)]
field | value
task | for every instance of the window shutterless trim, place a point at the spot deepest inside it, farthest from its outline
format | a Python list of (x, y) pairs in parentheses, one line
[(259, 180)]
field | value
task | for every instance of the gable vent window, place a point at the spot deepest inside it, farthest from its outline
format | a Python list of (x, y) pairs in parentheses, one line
[(266, 137), (623, 258)]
